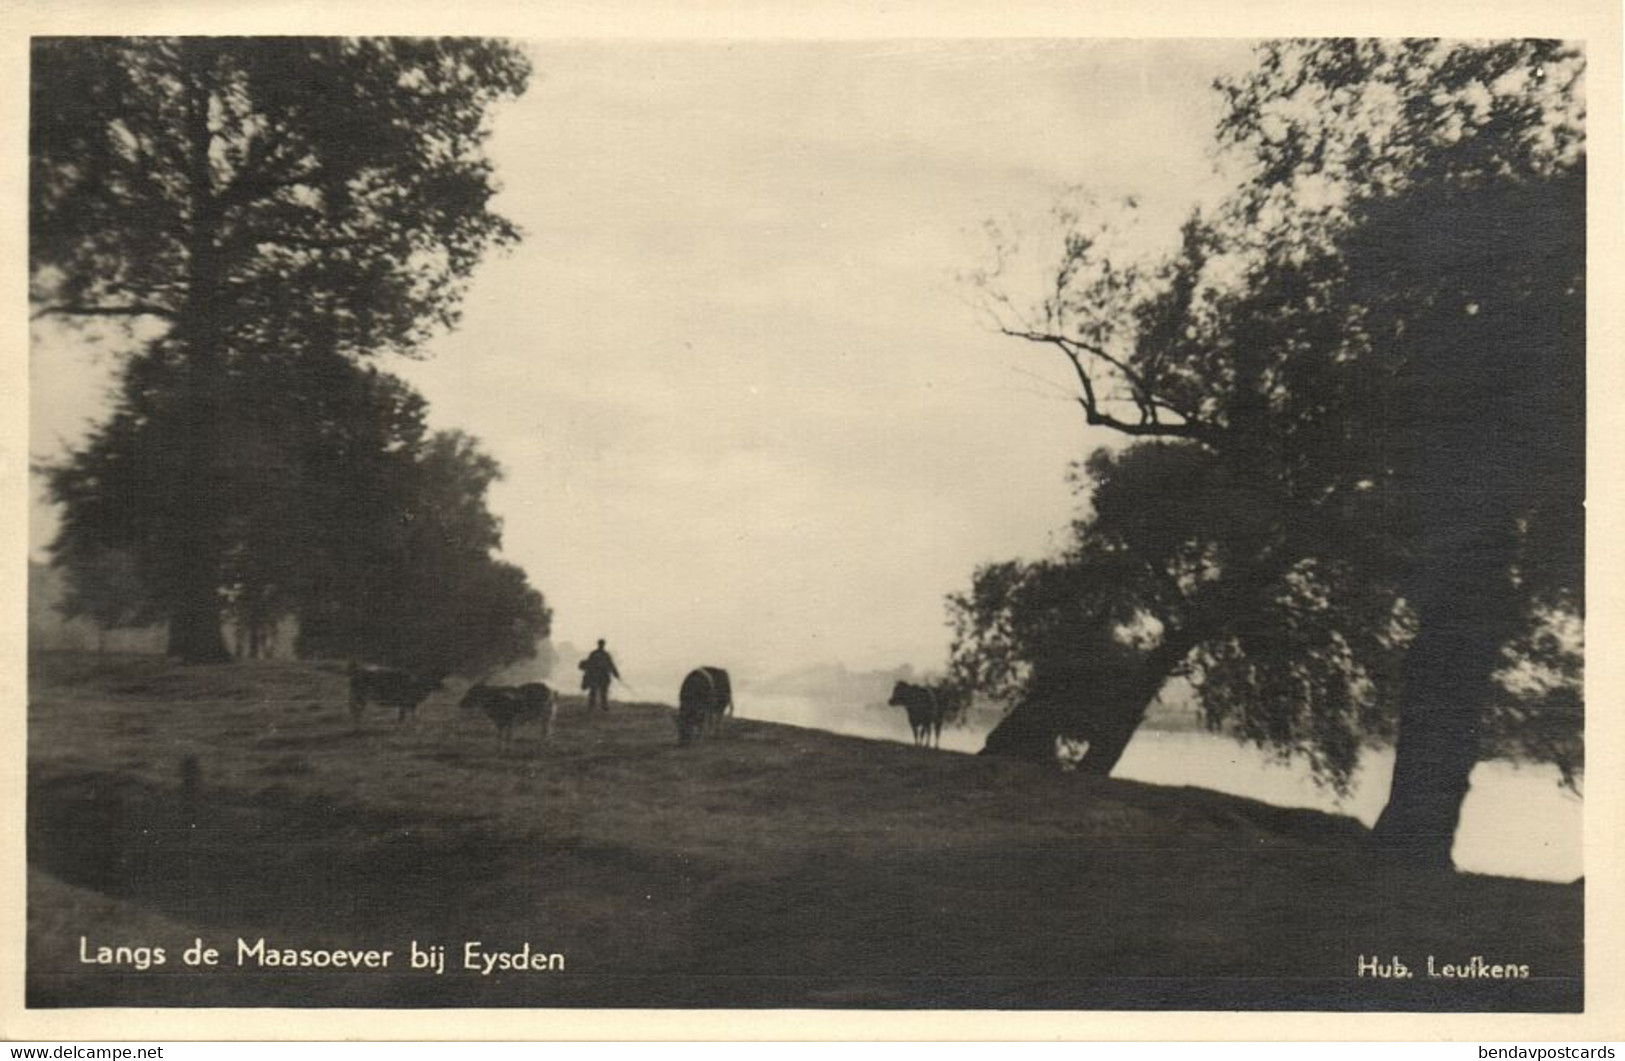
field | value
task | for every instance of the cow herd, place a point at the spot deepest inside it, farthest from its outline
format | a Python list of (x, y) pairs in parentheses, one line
[(704, 702)]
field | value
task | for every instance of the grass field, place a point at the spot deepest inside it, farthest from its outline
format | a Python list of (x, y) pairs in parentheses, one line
[(769, 866)]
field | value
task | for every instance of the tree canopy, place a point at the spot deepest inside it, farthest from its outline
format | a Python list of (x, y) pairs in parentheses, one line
[(276, 210), (268, 192), (1182, 570), (340, 508), (1377, 344), (411, 579)]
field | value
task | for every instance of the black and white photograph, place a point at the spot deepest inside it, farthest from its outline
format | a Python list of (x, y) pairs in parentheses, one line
[(999, 523)]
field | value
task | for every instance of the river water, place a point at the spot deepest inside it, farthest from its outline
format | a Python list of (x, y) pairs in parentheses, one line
[(1517, 821)]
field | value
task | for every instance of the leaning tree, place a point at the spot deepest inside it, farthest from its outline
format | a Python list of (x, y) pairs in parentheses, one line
[(1379, 338), (249, 200), (1182, 570)]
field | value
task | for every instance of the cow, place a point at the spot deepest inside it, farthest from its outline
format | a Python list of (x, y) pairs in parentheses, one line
[(927, 709), (510, 706), (399, 689), (704, 702)]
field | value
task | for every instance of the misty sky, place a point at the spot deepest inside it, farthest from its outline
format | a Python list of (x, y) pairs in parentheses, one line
[(747, 414)]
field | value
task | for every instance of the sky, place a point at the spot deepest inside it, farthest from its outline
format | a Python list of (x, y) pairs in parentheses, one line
[(748, 414)]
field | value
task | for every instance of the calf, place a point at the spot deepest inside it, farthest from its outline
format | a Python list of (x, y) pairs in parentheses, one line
[(399, 689), (510, 706), (926, 708)]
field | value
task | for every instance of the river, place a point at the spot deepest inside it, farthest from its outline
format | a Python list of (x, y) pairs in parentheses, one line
[(1516, 822)]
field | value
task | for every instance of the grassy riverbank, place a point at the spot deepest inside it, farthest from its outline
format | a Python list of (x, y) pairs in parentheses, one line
[(770, 866)]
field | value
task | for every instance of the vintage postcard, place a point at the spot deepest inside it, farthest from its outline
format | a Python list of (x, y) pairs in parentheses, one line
[(985, 524)]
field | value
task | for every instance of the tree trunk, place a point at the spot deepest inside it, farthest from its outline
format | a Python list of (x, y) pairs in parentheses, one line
[(1027, 732), (1467, 609), (1111, 738), (1113, 729), (195, 635), (1106, 718)]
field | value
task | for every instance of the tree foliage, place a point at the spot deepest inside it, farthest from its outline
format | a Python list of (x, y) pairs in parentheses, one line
[(1181, 570), (287, 190), (1376, 341), (341, 509), (102, 586), (419, 586), (272, 208)]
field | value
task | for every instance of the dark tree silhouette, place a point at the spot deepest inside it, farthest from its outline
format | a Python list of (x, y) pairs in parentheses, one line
[(416, 584), (103, 587), (251, 199), (1378, 339), (1485, 401), (1181, 570), (339, 509)]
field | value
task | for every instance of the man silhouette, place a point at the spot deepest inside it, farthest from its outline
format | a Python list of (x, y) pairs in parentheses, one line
[(598, 670)]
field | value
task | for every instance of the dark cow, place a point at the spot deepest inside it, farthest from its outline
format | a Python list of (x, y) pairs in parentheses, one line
[(704, 702), (399, 689), (927, 708), (510, 706)]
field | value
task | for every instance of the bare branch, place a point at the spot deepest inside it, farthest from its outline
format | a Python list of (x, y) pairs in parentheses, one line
[(1077, 352)]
